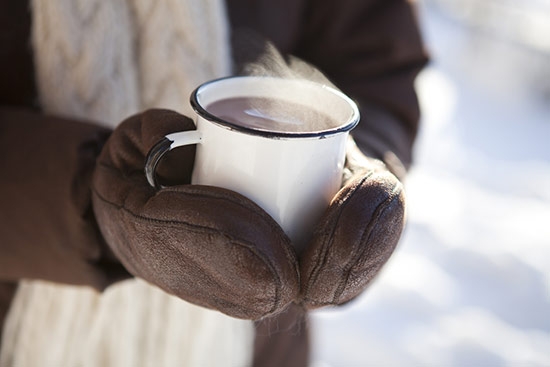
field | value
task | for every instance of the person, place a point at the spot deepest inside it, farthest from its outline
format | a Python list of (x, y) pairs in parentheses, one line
[(98, 268)]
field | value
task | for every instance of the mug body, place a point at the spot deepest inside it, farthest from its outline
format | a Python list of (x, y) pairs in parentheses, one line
[(291, 179), (292, 176)]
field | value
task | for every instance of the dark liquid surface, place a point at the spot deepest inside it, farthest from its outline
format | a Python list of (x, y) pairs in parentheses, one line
[(269, 114)]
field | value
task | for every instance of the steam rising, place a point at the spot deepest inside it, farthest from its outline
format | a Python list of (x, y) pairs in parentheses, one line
[(256, 56)]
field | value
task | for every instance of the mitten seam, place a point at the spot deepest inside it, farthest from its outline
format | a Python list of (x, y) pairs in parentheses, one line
[(365, 239)]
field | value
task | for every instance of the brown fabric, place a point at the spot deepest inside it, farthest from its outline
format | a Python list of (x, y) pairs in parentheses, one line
[(17, 85), (283, 340), (47, 228), (207, 245), (7, 292)]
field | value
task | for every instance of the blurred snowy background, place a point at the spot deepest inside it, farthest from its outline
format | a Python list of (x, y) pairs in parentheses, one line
[(470, 282)]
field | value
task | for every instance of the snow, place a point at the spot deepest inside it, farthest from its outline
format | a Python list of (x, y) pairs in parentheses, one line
[(469, 284)]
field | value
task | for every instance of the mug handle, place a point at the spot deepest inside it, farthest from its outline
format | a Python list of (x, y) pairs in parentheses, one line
[(165, 145)]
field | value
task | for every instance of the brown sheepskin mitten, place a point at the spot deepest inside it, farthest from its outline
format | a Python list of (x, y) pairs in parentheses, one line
[(206, 245)]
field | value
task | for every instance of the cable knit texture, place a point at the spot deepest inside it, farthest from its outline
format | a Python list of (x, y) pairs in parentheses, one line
[(103, 61), (106, 60)]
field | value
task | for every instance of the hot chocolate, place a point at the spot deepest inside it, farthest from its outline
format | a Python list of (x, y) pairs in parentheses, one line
[(269, 114)]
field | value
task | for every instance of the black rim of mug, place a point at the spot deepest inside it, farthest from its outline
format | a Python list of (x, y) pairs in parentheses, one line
[(201, 111)]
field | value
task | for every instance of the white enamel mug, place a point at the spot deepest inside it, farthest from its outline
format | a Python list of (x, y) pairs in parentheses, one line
[(292, 175)]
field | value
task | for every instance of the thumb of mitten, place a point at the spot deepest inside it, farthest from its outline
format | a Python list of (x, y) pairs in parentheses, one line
[(356, 236), (206, 245)]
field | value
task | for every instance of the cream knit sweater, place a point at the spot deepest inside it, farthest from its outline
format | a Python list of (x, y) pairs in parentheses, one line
[(104, 60)]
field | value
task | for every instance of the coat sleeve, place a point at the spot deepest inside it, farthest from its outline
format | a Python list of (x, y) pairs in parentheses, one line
[(372, 50), (47, 227)]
